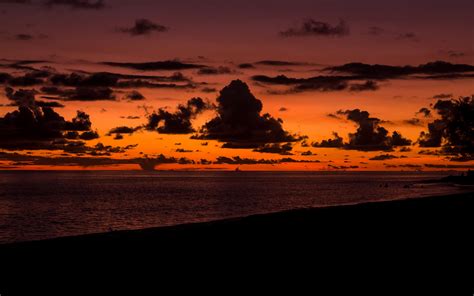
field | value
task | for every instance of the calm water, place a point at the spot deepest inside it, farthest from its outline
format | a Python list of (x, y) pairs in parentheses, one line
[(39, 205)]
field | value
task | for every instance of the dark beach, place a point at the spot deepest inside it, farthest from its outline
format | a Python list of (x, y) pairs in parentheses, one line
[(430, 235)]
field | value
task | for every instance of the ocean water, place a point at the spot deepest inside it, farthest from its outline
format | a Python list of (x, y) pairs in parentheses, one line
[(41, 205)]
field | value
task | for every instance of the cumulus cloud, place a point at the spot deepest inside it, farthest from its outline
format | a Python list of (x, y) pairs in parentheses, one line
[(144, 27), (311, 27), (178, 122), (453, 130), (370, 136), (33, 127), (239, 122)]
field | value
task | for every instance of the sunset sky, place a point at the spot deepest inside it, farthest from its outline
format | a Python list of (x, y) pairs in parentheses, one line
[(361, 69)]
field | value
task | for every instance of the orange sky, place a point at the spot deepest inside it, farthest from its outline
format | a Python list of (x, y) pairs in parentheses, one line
[(227, 36)]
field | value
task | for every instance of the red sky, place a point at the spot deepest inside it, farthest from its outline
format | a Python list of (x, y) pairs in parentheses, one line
[(77, 38)]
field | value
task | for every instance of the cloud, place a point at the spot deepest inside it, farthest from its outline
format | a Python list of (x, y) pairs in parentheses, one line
[(317, 83), (215, 71), (24, 37), (208, 90), (376, 71), (276, 148), (155, 66), (369, 85), (178, 122), (407, 36), (26, 97), (134, 96), (33, 127), (279, 63), (379, 31), (453, 130), (383, 157), (98, 160), (144, 27), (123, 130), (311, 27), (425, 112), (246, 66), (443, 96), (77, 4), (370, 136), (80, 94), (414, 122), (336, 142), (237, 160), (456, 54), (239, 122)]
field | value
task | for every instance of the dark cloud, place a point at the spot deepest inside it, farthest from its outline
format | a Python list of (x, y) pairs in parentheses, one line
[(379, 31), (276, 148), (77, 4), (80, 94), (376, 71), (130, 117), (144, 27), (123, 130), (443, 96), (28, 79), (178, 122), (283, 109), (369, 85), (450, 166), (336, 142), (237, 160), (215, 71), (146, 163), (154, 66), (239, 122), (370, 136), (279, 63), (311, 27), (456, 54), (383, 157), (24, 37), (134, 96), (414, 122), (246, 66), (208, 90), (425, 112), (453, 130), (318, 83), (39, 127), (407, 36)]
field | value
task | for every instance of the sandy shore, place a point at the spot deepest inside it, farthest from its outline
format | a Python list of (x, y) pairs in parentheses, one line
[(415, 236)]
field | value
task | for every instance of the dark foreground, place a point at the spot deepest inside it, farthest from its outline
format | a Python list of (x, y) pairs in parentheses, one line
[(396, 243)]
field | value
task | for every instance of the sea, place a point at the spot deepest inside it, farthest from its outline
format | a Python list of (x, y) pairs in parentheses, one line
[(37, 205)]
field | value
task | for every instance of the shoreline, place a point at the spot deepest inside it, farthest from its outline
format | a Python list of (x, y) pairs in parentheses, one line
[(302, 218), (402, 244)]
